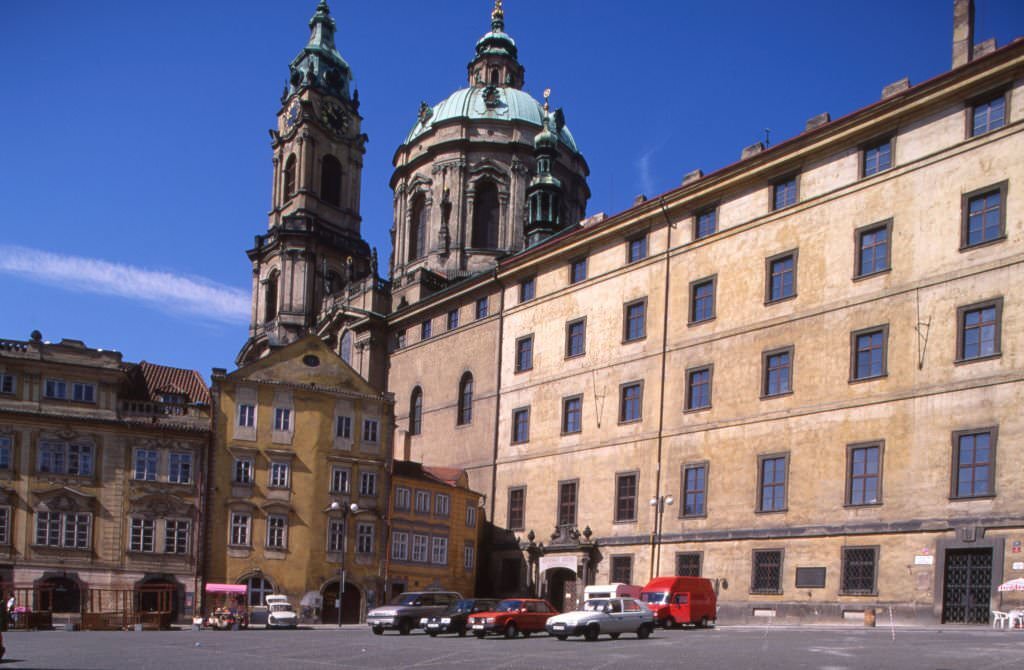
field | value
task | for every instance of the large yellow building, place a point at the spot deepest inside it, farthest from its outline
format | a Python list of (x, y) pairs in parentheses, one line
[(299, 438)]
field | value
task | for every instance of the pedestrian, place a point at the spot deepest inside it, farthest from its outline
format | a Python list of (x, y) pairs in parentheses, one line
[(5, 613)]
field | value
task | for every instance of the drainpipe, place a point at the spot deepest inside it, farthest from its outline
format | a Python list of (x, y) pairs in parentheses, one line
[(497, 392), (656, 539)]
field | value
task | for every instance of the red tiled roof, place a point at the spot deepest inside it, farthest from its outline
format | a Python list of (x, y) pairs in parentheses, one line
[(150, 380), (412, 469), (449, 476)]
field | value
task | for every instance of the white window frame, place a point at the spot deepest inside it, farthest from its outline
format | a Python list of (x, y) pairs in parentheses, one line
[(279, 475), (277, 531), (468, 556), (403, 498), (55, 389), (343, 427), (83, 392), (340, 473), (442, 504), (147, 465), (5, 525), (179, 467), (240, 529), (419, 547), (439, 550), (6, 452), (244, 466), (364, 538), (470, 516), (65, 458), (370, 430), (246, 415), (335, 535), (422, 502), (399, 545), (367, 484), (177, 534), (142, 535), (282, 419), (63, 529)]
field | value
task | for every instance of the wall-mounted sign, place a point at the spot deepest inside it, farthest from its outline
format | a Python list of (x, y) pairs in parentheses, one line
[(1018, 566), (1015, 547), (924, 560)]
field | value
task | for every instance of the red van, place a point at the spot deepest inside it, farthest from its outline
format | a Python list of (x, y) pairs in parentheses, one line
[(681, 600)]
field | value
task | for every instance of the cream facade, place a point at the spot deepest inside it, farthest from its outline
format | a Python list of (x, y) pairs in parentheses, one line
[(299, 439), (815, 352), (102, 479)]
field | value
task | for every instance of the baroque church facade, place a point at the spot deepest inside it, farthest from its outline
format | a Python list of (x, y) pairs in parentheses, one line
[(798, 375)]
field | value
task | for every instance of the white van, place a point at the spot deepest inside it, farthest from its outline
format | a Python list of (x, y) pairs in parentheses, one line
[(281, 614), (616, 590)]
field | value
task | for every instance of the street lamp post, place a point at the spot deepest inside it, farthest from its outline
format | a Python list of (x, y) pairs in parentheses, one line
[(659, 503), (352, 509)]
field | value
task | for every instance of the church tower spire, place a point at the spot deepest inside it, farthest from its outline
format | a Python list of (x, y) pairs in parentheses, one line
[(497, 57), (544, 193), (312, 251)]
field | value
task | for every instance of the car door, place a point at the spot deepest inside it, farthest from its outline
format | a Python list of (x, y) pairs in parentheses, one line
[(632, 615)]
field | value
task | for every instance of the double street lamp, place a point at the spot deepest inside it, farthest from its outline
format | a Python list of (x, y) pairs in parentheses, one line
[(659, 503)]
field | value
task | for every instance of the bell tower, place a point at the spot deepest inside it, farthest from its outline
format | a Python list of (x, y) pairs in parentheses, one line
[(312, 250)]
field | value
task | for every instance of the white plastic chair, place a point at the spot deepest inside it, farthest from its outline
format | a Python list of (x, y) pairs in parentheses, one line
[(1000, 619), (1016, 618)]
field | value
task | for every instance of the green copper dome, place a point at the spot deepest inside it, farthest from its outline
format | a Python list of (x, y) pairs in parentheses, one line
[(491, 103)]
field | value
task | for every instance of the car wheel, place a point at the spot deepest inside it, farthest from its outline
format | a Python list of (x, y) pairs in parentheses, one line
[(644, 631), (462, 632), (591, 632), (432, 634), (377, 630), (666, 623), (562, 638), (479, 635), (268, 626), (614, 636), (510, 631), (404, 626)]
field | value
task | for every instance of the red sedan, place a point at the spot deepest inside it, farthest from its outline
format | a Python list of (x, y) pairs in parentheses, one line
[(512, 617)]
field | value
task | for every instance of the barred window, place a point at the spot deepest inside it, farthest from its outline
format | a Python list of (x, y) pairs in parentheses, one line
[(859, 569), (688, 564), (622, 569), (767, 572)]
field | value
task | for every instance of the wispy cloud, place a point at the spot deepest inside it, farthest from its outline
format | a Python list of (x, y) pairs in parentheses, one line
[(161, 290)]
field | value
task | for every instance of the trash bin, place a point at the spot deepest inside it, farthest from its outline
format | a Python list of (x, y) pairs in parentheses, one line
[(869, 617)]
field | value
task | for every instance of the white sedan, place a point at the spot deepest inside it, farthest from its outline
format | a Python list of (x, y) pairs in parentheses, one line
[(613, 616)]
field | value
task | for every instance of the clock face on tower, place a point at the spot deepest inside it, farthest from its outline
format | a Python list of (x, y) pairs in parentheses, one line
[(291, 117), (334, 117)]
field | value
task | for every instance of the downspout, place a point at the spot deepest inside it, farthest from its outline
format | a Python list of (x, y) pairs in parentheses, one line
[(202, 548), (497, 392), (658, 512)]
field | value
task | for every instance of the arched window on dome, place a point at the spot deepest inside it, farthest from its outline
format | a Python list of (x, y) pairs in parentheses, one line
[(494, 76), (330, 180), (416, 411), (270, 296), (485, 216), (289, 177), (418, 228), (465, 415)]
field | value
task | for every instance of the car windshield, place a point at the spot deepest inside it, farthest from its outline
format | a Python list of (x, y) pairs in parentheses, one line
[(508, 606), (656, 597), (594, 605), (460, 607), (281, 607), (405, 599)]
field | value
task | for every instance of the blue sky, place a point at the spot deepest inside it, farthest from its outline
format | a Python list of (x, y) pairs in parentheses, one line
[(136, 163)]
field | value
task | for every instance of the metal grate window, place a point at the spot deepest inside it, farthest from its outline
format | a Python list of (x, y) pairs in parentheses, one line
[(859, 568), (688, 564), (767, 572)]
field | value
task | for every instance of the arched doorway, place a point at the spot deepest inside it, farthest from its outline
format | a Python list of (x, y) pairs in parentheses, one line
[(560, 588), (66, 594), (158, 594), (259, 588), (351, 603)]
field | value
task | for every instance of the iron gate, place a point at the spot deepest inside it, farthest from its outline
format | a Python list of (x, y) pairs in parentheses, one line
[(968, 586)]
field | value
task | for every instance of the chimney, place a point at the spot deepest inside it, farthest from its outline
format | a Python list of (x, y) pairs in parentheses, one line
[(963, 31)]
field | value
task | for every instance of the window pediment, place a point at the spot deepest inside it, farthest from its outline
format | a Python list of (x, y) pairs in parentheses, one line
[(64, 499), (157, 505)]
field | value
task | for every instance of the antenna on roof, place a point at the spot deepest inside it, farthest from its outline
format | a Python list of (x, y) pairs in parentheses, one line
[(767, 137)]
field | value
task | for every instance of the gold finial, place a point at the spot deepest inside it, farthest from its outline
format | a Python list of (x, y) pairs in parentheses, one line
[(497, 13), (547, 94)]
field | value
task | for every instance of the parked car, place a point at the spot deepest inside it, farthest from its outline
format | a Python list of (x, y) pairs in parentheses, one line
[(405, 610), (613, 616), (681, 600), (280, 613), (513, 616), (454, 619)]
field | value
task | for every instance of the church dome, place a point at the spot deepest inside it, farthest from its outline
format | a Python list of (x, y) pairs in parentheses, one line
[(492, 103)]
